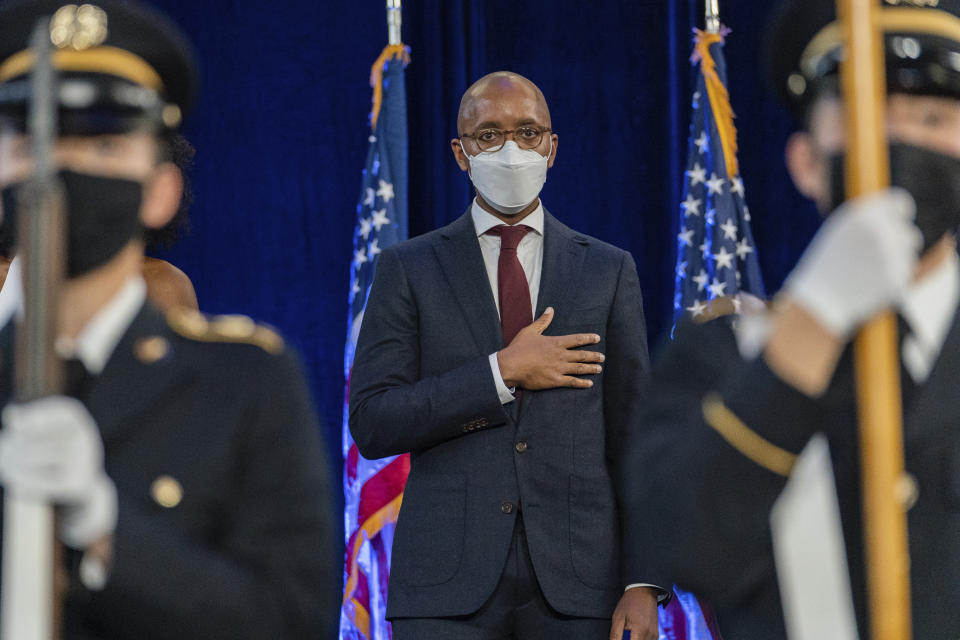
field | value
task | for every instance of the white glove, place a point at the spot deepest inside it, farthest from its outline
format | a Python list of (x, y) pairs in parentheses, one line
[(51, 449), (860, 262)]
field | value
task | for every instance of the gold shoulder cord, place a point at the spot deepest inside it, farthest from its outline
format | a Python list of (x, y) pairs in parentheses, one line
[(744, 439)]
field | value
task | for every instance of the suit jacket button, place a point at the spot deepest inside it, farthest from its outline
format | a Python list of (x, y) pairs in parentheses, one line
[(506, 507), (521, 446)]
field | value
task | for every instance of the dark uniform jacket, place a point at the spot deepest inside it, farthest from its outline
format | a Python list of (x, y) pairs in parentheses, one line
[(225, 528), (422, 383), (712, 503)]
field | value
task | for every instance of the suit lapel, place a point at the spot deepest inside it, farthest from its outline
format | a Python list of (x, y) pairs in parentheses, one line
[(563, 254), (139, 370), (938, 398), (458, 252)]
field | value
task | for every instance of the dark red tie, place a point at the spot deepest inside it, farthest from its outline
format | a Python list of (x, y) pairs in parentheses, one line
[(514, 292)]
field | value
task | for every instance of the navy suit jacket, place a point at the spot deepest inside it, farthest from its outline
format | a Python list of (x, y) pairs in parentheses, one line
[(422, 383)]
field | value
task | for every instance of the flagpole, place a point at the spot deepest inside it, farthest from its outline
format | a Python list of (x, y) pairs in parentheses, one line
[(875, 350), (712, 15), (394, 21)]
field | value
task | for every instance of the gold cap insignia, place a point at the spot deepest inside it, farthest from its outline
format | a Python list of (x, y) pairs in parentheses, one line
[(152, 349), (914, 3), (166, 492), (78, 28)]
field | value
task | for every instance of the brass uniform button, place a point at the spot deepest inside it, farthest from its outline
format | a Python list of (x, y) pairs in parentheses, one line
[(521, 446), (152, 349), (908, 491), (506, 507), (166, 492)]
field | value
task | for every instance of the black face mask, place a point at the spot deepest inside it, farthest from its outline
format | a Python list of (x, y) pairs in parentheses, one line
[(932, 178), (103, 215)]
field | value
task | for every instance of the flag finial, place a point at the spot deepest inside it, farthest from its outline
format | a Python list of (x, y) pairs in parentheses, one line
[(713, 16)]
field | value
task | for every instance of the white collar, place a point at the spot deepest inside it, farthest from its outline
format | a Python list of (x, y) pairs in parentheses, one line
[(99, 337), (929, 305), (483, 221)]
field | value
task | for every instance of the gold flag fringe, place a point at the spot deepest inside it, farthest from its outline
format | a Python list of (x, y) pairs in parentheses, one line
[(719, 98), (389, 52)]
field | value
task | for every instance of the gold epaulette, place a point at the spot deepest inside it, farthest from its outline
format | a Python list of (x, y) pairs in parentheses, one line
[(233, 328)]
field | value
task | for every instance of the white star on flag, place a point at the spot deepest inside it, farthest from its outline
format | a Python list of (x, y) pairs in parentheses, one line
[(385, 191), (711, 216), (375, 248), (703, 143), (729, 230), (715, 184), (701, 280), (737, 187), (723, 259), (697, 309), (717, 288), (705, 250), (380, 219), (682, 270), (359, 257), (686, 237), (697, 175), (356, 287), (743, 249), (365, 227), (369, 197), (691, 206)]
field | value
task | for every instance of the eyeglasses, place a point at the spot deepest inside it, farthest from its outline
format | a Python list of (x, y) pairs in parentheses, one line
[(528, 137)]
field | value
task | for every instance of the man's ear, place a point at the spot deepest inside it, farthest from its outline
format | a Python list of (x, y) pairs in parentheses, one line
[(161, 196), (808, 167), (459, 154), (553, 151)]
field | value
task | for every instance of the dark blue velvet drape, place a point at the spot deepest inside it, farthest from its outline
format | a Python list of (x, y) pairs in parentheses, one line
[(281, 132)]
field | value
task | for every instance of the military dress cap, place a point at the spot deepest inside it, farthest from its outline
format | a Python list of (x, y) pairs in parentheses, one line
[(121, 64), (803, 46)]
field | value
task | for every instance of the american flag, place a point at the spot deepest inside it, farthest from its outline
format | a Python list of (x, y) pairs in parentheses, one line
[(373, 489), (716, 255)]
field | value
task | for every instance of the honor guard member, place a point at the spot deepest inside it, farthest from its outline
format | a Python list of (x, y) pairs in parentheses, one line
[(727, 419), (185, 453)]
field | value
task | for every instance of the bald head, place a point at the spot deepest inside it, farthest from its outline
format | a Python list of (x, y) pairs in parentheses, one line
[(495, 88)]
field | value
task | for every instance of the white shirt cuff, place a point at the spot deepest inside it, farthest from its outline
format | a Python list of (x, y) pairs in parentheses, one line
[(662, 594), (505, 392)]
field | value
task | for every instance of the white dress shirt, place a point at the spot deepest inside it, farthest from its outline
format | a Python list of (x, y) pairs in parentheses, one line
[(11, 294), (99, 337), (929, 307), (530, 255)]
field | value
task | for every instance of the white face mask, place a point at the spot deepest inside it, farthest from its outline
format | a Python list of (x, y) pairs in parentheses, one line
[(511, 178)]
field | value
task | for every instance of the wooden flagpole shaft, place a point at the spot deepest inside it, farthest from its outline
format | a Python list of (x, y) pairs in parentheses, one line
[(876, 354), (33, 581)]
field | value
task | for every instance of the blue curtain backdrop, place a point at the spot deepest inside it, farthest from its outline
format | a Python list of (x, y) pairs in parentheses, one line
[(281, 133)]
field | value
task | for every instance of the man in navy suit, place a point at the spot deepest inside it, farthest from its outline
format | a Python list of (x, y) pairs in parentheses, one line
[(509, 526)]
